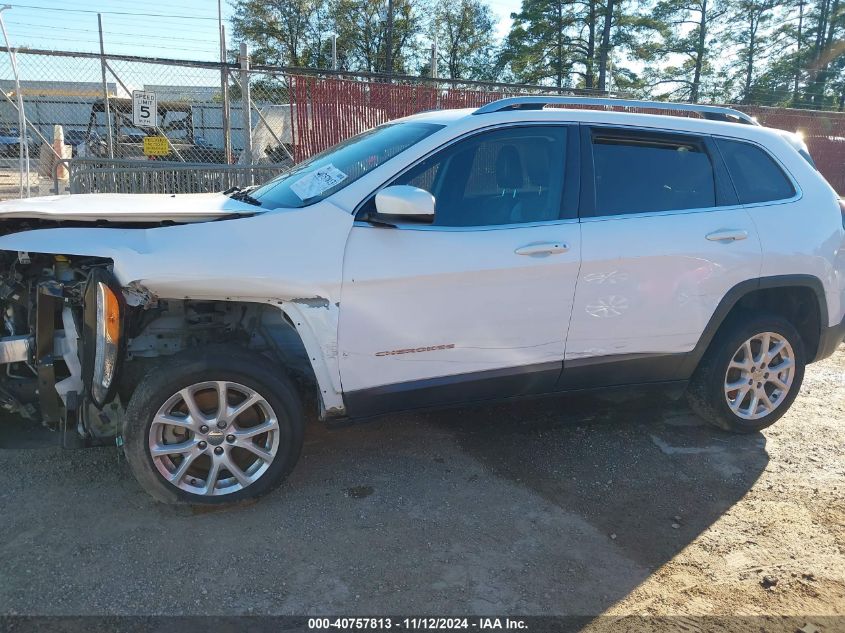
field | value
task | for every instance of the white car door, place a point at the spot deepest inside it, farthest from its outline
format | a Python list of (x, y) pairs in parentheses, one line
[(663, 241), (476, 304)]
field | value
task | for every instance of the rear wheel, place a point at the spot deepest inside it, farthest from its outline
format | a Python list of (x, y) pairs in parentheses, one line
[(213, 427), (750, 375)]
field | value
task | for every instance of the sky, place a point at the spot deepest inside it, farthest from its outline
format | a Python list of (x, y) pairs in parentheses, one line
[(185, 29)]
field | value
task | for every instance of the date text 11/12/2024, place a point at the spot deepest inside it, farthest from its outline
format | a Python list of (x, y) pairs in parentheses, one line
[(421, 623)]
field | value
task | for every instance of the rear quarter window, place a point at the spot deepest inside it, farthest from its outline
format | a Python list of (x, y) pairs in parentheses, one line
[(755, 175)]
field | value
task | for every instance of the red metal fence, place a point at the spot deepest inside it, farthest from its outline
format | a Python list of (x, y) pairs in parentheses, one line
[(328, 110)]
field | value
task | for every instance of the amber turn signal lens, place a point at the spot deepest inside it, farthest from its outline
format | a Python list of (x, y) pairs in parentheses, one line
[(111, 315)]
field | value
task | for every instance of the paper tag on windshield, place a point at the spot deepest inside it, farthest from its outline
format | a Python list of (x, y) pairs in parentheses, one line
[(317, 182)]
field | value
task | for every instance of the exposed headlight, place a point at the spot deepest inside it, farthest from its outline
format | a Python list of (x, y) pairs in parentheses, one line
[(103, 336), (107, 343)]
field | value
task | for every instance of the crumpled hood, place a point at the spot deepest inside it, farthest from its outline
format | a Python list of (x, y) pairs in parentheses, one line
[(127, 208)]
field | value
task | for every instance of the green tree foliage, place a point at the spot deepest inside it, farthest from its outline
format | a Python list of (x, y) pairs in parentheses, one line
[(362, 34), (824, 50), (537, 48), (681, 57), (749, 30), (282, 32), (463, 30), (775, 52), (570, 43)]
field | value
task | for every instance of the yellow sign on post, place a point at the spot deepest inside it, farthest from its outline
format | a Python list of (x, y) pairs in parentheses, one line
[(156, 146)]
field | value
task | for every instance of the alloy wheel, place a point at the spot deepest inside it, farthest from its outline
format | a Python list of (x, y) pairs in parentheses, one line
[(214, 438), (759, 375)]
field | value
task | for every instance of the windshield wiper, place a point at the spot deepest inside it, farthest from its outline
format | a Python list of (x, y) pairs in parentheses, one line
[(236, 193)]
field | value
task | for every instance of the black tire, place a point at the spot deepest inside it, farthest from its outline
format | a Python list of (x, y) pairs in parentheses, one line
[(214, 363), (706, 391)]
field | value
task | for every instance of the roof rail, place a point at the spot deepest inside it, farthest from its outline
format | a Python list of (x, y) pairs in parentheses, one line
[(714, 113)]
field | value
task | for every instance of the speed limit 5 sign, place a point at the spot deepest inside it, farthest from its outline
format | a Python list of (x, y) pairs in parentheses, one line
[(144, 110)]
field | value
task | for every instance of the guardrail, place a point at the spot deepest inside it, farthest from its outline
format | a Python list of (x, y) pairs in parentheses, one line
[(96, 175)]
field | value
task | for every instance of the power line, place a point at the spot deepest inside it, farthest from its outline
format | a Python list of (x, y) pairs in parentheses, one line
[(204, 29), (158, 7), (150, 4), (209, 50), (107, 32), (143, 15), (120, 21), (205, 32), (89, 19)]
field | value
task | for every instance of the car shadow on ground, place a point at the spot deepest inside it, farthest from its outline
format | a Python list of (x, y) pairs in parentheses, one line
[(558, 507), (641, 467)]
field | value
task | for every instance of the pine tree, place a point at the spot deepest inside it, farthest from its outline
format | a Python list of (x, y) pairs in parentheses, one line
[(465, 41), (537, 48), (686, 31), (361, 28), (283, 32)]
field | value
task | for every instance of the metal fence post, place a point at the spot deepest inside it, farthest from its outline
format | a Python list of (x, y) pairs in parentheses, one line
[(23, 139), (105, 87), (389, 55), (224, 87), (302, 111), (246, 102)]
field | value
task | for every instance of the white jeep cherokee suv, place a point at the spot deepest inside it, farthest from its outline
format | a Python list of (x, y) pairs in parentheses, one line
[(444, 258)]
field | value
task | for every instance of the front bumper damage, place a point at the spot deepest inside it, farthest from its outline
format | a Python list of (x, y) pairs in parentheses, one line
[(15, 349), (55, 402), (45, 375)]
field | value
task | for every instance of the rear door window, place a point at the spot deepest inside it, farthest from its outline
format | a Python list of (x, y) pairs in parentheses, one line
[(755, 175), (644, 172)]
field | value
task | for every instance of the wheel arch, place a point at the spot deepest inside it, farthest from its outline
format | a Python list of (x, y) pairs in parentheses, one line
[(311, 321), (315, 321), (802, 300)]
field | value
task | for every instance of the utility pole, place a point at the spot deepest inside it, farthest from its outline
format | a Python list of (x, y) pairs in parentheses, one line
[(106, 106), (604, 47), (224, 87), (434, 58), (389, 55), (334, 51), (798, 53), (23, 139), (246, 103)]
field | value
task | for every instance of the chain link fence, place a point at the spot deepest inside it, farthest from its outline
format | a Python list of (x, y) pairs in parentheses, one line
[(202, 119), (215, 122)]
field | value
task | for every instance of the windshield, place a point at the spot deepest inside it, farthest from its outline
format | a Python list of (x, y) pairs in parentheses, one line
[(338, 166)]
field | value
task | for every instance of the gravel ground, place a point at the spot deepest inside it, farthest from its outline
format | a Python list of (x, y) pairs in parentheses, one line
[(622, 505)]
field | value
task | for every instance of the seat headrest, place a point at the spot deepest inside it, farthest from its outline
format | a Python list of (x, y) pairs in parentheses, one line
[(508, 168), (537, 166)]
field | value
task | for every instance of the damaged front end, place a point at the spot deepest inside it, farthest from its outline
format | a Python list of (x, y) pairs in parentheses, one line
[(64, 323)]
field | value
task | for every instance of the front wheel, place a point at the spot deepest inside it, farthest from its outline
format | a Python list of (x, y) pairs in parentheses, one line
[(211, 427), (750, 375)]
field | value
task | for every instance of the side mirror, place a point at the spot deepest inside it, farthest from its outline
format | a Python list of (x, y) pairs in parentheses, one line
[(405, 202)]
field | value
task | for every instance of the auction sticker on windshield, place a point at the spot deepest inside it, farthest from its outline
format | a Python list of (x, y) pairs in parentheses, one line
[(318, 181)]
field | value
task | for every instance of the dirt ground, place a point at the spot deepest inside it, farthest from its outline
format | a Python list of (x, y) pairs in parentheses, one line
[(583, 505)]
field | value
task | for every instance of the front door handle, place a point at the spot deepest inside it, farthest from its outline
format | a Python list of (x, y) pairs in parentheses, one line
[(546, 248), (727, 235)]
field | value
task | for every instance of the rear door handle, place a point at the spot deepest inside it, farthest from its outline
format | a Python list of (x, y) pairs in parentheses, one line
[(727, 235), (546, 248)]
